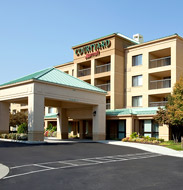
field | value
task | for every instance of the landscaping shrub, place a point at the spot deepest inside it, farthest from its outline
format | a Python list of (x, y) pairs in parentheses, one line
[(49, 128), (14, 136), (54, 128), (134, 135), (23, 137), (51, 131), (147, 140), (22, 128)]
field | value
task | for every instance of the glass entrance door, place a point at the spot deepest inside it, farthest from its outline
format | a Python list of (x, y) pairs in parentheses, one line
[(121, 129)]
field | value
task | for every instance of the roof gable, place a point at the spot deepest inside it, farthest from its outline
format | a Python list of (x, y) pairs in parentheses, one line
[(55, 76)]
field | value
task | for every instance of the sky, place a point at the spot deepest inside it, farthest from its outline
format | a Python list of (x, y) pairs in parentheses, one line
[(38, 34)]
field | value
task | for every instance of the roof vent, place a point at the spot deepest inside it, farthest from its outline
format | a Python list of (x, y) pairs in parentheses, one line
[(138, 37)]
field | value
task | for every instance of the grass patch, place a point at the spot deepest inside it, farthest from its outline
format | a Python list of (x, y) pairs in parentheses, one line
[(172, 145)]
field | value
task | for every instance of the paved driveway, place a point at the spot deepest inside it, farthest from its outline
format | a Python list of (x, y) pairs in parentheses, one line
[(87, 166)]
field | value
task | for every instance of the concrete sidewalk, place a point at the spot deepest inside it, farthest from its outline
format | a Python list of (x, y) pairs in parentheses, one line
[(4, 170), (146, 147)]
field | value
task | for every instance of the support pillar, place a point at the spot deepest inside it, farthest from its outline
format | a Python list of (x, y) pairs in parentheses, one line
[(129, 126), (99, 122), (35, 117), (81, 130), (164, 132), (4, 117), (93, 72), (62, 124)]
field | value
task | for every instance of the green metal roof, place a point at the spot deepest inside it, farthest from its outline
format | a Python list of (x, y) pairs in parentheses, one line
[(50, 116), (120, 112), (132, 111), (53, 75)]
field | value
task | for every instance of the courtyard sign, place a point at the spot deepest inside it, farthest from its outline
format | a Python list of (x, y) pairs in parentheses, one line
[(93, 49)]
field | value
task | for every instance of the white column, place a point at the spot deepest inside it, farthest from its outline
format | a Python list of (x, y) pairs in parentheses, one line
[(129, 126), (75, 70), (164, 132), (112, 81), (35, 117), (4, 117), (93, 72), (62, 124), (99, 122)]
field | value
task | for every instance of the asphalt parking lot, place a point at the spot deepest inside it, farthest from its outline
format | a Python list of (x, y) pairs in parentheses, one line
[(87, 166)]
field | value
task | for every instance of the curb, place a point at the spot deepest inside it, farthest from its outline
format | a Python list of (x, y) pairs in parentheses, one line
[(4, 170), (24, 142), (147, 147)]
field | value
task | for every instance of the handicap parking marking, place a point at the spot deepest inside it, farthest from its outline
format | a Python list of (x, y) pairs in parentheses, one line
[(47, 166)]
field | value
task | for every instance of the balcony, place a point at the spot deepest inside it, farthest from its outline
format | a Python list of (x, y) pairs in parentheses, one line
[(164, 61), (103, 68), (108, 105), (157, 84), (105, 87), (84, 72), (157, 104)]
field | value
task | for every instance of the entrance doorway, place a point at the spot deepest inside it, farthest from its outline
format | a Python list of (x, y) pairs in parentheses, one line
[(116, 129)]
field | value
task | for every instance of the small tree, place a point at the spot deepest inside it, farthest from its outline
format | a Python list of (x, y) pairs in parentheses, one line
[(18, 119), (172, 114), (22, 128)]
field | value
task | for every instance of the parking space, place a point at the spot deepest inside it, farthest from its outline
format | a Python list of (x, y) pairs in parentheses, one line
[(87, 166), (22, 170)]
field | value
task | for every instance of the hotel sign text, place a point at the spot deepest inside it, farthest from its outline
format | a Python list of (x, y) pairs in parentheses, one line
[(93, 49)]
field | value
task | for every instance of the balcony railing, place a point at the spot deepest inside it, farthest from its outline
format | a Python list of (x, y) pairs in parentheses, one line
[(108, 106), (157, 84), (84, 72), (157, 104), (103, 68), (165, 61), (105, 87)]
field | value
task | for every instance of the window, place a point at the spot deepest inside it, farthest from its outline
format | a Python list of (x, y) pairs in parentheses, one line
[(137, 80), (72, 72), (151, 128), (136, 101), (137, 60)]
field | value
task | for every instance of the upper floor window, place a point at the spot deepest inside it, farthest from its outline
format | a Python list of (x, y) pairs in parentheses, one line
[(137, 80), (137, 60), (136, 101)]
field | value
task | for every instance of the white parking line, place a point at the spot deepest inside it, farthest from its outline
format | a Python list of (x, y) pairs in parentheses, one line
[(83, 162), (43, 166)]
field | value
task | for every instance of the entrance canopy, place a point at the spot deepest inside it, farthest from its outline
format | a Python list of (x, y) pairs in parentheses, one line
[(74, 98)]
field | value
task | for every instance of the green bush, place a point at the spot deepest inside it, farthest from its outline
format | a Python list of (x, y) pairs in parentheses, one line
[(54, 128), (161, 140), (152, 138), (14, 136), (134, 135), (22, 128), (49, 128), (3, 136)]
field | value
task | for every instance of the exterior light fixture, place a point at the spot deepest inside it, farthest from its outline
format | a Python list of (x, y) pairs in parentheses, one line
[(94, 113)]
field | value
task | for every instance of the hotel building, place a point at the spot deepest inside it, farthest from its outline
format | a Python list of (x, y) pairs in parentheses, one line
[(138, 76)]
